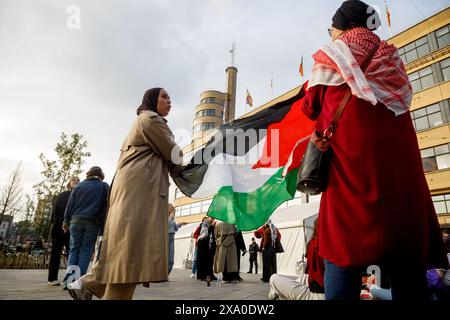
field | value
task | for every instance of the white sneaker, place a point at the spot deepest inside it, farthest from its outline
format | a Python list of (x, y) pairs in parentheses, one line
[(193, 275), (54, 283)]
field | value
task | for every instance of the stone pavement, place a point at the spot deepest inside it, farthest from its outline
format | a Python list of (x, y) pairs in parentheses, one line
[(31, 284)]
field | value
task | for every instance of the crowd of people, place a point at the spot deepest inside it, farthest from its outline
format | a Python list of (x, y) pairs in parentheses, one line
[(376, 189)]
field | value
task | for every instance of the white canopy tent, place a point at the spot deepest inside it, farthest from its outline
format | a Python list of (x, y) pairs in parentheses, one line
[(289, 221)]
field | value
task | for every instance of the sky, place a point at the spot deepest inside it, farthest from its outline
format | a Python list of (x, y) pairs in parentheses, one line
[(82, 66)]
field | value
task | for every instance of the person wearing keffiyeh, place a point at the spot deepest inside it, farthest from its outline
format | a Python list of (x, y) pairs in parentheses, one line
[(206, 248), (376, 184)]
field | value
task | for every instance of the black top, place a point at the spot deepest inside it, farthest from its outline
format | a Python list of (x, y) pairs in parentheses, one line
[(59, 207)]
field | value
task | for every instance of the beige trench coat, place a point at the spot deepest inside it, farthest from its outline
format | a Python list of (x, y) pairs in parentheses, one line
[(134, 247), (226, 247)]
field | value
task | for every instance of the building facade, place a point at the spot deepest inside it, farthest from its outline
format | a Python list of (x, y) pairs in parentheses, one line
[(425, 51)]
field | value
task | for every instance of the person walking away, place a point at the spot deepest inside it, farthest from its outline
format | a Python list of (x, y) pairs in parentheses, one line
[(60, 239), (84, 217)]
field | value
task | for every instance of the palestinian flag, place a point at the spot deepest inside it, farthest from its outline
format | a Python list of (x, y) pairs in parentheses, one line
[(250, 165)]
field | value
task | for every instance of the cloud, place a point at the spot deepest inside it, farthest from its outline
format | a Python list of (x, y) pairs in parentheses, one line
[(91, 80)]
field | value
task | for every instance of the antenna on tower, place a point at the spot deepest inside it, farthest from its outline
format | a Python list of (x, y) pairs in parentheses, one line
[(232, 50)]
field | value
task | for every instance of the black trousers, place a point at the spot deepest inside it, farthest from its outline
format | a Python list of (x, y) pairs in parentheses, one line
[(59, 241), (253, 258), (269, 263)]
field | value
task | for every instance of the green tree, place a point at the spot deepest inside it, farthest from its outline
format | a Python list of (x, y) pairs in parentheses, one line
[(71, 152), (24, 228)]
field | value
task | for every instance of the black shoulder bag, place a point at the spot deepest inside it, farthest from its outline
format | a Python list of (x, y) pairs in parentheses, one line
[(313, 173)]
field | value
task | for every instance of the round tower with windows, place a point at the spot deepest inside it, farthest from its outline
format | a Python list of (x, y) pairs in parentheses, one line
[(208, 113)]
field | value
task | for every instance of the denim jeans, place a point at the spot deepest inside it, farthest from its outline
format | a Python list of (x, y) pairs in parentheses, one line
[(82, 243), (342, 283), (171, 250), (194, 262), (406, 276)]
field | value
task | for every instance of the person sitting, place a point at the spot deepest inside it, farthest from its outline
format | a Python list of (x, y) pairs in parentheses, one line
[(310, 285)]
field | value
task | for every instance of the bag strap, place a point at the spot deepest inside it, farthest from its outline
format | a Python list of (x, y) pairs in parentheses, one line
[(333, 125)]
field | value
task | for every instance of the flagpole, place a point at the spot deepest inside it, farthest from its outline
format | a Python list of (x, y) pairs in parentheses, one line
[(271, 83), (246, 93), (388, 18), (303, 78)]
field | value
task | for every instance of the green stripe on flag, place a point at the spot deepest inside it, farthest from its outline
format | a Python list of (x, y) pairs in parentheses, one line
[(250, 210)]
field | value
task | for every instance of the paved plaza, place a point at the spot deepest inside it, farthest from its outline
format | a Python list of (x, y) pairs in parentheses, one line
[(31, 284)]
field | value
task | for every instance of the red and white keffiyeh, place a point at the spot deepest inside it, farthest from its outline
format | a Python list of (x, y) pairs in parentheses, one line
[(384, 80)]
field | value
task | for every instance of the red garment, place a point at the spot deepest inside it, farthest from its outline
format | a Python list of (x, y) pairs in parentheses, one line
[(259, 234), (315, 267), (377, 204), (385, 78), (197, 233)]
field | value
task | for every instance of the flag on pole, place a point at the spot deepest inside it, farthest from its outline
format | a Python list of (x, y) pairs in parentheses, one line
[(300, 68), (250, 165), (249, 99), (388, 15)]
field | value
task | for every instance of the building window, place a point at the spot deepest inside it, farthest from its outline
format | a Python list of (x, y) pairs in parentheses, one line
[(442, 203), (414, 50), (196, 208), (421, 79), (207, 126), (430, 116), (204, 126), (205, 205), (178, 194), (445, 67), (443, 37), (205, 113), (436, 158), (208, 100), (185, 210)]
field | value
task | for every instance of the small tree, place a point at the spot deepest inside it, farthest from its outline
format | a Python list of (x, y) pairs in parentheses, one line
[(11, 194), (71, 153), (25, 227)]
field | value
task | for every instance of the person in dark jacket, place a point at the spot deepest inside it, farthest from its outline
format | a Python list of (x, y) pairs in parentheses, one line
[(85, 213), (60, 239), (253, 250)]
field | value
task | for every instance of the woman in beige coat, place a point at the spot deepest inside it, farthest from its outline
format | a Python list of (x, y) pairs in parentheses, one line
[(134, 248), (225, 259)]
